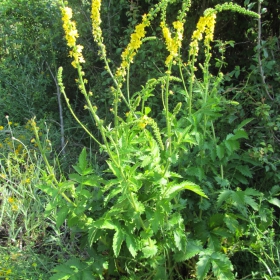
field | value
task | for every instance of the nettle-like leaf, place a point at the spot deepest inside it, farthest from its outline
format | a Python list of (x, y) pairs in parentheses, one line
[(220, 150), (150, 249), (274, 201), (173, 190), (180, 239), (61, 215), (117, 241), (223, 196), (203, 266), (221, 266), (132, 244), (241, 200), (193, 248), (244, 170), (73, 269), (232, 223), (82, 166)]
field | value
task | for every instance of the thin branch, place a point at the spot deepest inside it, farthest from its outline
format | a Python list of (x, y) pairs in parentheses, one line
[(259, 52), (58, 93)]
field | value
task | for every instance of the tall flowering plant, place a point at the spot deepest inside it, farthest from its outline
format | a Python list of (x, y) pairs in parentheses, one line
[(133, 218)]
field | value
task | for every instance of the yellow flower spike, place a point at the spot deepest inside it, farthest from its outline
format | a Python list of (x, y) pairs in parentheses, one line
[(206, 24), (133, 46), (172, 44)]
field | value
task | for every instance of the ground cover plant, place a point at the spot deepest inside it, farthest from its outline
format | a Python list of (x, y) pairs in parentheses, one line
[(167, 190)]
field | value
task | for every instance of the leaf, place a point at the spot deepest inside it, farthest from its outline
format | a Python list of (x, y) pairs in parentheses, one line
[(221, 266), (214, 242), (232, 145), (173, 190), (180, 239), (61, 215), (250, 201), (203, 266), (220, 151), (68, 270), (117, 241), (104, 223), (239, 134), (232, 224), (275, 201), (51, 191), (146, 160), (83, 159), (244, 170), (243, 123), (223, 196), (193, 248), (150, 250), (131, 244), (253, 192), (196, 171)]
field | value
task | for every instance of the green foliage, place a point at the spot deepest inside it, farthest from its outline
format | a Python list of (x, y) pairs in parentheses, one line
[(178, 181)]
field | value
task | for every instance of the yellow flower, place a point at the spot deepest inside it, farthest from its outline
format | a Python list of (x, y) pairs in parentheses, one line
[(11, 200), (71, 35), (172, 44), (206, 24), (1, 127), (96, 20), (131, 49)]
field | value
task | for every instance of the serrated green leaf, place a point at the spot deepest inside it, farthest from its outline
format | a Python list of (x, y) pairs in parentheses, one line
[(240, 178), (131, 244), (117, 241), (193, 248), (112, 194), (222, 266), (220, 151), (51, 191), (250, 201), (104, 223), (203, 266), (232, 145), (196, 171), (243, 123), (223, 196), (275, 201), (216, 220), (172, 190), (239, 134), (150, 250), (145, 160), (253, 192), (232, 224), (244, 170), (61, 215), (180, 239), (214, 242)]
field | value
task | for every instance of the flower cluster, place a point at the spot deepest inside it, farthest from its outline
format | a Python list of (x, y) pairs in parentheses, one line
[(230, 7), (71, 35), (131, 49), (96, 20), (173, 44), (14, 203), (206, 24)]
